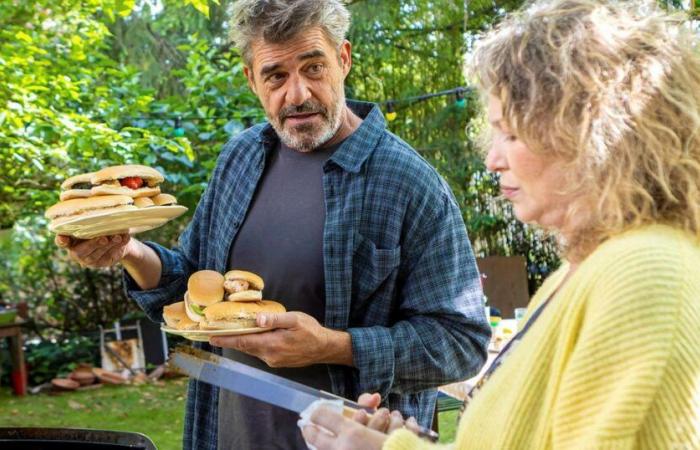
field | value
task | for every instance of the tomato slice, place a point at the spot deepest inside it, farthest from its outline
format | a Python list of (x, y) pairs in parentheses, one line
[(131, 182)]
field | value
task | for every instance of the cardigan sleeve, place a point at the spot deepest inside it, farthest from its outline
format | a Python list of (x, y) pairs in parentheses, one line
[(407, 440)]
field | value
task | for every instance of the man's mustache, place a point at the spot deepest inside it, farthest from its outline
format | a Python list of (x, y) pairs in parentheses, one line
[(307, 107)]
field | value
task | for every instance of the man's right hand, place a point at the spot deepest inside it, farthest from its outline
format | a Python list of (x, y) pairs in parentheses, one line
[(104, 251)]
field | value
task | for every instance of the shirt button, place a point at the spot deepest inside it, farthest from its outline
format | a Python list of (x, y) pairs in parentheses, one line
[(236, 224)]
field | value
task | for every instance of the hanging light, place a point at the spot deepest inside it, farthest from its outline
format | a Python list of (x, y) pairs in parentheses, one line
[(390, 113), (178, 131)]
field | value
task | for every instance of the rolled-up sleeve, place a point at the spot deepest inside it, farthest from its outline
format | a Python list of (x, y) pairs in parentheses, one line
[(441, 332), (171, 287), (177, 263)]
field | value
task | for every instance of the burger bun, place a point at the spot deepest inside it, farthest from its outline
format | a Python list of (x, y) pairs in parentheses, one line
[(237, 315), (205, 287)]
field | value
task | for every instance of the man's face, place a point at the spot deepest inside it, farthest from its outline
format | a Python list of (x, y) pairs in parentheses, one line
[(300, 85)]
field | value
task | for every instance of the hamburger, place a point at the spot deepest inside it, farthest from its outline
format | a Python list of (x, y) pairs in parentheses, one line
[(78, 186), (71, 209), (131, 179), (237, 315), (204, 289), (176, 317), (242, 286)]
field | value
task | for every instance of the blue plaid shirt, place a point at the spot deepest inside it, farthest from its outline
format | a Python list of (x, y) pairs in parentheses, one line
[(399, 270)]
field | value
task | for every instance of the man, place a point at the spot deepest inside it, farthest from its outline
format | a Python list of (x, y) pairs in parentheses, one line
[(350, 229)]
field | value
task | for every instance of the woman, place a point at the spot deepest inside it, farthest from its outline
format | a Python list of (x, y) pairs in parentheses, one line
[(595, 111)]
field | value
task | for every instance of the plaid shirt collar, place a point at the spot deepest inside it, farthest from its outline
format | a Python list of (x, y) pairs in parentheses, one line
[(353, 152)]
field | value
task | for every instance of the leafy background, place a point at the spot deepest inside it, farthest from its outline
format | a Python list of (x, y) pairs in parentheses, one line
[(89, 83)]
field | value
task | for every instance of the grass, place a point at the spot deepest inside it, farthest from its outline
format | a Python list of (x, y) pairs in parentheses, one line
[(154, 410)]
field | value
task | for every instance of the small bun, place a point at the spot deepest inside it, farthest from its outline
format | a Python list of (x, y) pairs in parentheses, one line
[(127, 170), (233, 310), (254, 280), (82, 178), (205, 287), (75, 193), (123, 190), (245, 296), (174, 313), (79, 205), (143, 202), (164, 200)]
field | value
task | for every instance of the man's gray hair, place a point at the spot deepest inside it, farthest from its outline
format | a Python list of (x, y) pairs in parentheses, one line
[(279, 20)]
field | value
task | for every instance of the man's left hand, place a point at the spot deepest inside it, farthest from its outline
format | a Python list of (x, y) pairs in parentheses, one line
[(295, 339)]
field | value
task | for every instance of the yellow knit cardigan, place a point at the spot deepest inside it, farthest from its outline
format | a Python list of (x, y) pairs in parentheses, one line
[(613, 362)]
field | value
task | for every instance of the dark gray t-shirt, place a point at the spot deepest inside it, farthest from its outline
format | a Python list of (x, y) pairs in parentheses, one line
[(281, 239)]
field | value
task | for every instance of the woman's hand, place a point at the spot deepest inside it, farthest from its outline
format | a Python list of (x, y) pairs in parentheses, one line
[(381, 420), (329, 430)]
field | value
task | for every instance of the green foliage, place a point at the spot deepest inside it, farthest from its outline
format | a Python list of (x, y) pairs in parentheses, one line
[(69, 103), (156, 410), (89, 83), (50, 359), (409, 48)]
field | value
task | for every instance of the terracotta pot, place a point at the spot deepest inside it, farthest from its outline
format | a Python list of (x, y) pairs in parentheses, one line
[(64, 384), (83, 377), (105, 376)]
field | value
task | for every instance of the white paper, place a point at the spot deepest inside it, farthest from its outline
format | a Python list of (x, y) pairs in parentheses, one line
[(335, 405)]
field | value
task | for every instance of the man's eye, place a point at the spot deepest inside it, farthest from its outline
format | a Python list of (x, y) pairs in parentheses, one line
[(315, 68), (275, 77)]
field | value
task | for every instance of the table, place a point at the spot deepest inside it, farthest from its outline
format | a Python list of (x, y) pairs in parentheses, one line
[(19, 370)]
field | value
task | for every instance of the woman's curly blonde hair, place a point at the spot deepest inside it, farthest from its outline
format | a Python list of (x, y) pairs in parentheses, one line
[(612, 89)]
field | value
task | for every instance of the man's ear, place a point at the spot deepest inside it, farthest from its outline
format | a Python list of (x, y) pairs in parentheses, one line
[(346, 57), (249, 75)]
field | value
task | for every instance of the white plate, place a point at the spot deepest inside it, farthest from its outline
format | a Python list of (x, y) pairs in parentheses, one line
[(204, 335), (131, 221)]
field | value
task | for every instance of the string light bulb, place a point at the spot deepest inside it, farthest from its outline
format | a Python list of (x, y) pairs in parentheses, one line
[(178, 131), (390, 113), (460, 101)]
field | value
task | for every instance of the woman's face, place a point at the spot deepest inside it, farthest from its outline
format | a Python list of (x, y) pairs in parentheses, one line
[(530, 181)]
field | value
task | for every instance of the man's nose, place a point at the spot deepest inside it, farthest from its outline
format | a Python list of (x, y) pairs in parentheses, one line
[(298, 91)]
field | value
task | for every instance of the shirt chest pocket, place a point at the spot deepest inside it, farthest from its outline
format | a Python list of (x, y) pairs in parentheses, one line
[(374, 272)]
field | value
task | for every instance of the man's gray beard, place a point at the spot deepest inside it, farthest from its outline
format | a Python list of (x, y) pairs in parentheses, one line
[(305, 143)]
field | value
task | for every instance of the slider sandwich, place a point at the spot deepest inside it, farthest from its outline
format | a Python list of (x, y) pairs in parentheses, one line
[(86, 207), (242, 286), (78, 186), (237, 315), (176, 317), (132, 180), (204, 289)]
